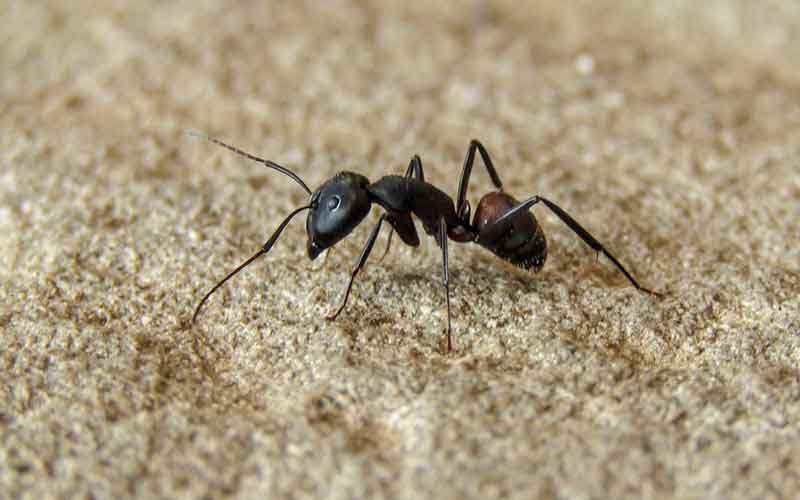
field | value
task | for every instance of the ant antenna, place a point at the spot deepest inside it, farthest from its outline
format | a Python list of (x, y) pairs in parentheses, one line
[(271, 241), (268, 163)]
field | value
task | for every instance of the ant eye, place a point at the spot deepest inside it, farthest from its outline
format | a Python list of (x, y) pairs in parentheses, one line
[(333, 203)]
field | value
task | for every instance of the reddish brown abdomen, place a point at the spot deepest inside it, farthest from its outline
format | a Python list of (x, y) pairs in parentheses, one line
[(523, 244)]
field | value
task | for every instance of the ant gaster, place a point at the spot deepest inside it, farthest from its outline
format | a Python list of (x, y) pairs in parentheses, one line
[(501, 224)]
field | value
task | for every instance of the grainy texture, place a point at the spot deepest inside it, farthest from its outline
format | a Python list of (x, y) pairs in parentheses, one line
[(670, 129)]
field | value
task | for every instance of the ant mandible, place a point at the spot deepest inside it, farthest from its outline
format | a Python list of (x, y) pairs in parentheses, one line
[(502, 225)]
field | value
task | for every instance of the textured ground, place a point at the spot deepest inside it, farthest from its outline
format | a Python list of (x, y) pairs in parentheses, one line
[(670, 129)]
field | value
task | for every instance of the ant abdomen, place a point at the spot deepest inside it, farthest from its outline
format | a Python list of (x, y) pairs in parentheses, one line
[(522, 244)]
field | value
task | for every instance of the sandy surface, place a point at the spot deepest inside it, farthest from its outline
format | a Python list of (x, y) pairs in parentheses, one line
[(670, 129)]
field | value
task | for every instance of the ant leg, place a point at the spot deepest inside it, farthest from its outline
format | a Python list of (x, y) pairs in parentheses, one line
[(414, 171), (502, 224), (388, 244), (445, 276), (462, 205), (361, 260)]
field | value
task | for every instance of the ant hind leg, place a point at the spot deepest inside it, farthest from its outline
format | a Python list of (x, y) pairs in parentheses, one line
[(462, 205), (502, 224)]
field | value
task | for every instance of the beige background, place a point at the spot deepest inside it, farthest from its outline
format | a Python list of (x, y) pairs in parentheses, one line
[(670, 129)]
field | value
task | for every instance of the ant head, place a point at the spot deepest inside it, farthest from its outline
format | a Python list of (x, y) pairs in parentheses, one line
[(337, 207)]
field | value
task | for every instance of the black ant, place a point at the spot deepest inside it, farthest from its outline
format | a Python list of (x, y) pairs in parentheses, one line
[(502, 225)]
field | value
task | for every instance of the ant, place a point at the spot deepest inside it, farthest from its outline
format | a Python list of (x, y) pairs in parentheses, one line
[(502, 225)]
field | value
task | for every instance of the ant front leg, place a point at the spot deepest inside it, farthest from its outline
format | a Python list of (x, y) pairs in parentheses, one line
[(414, 171), (462, 205), (361, 260), (501, 225)]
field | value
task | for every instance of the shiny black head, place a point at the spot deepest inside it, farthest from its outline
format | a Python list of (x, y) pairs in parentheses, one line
[(337, 207)]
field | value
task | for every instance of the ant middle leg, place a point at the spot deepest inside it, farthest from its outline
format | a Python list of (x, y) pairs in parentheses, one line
[(462, 205), (414, 171), (442, 240)]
